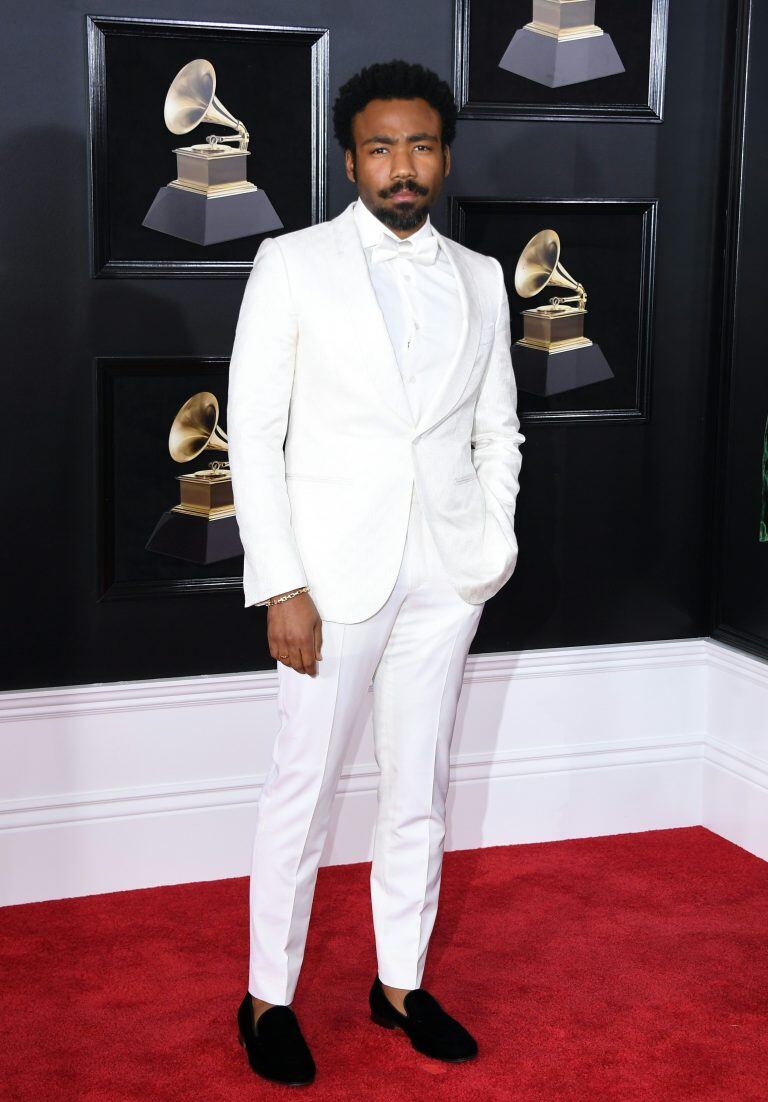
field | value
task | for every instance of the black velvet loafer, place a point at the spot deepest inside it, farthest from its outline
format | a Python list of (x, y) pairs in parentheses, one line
[(275, 1046), (430, 1029)]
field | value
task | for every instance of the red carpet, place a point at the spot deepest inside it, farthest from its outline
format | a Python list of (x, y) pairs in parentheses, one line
[(622, 968)]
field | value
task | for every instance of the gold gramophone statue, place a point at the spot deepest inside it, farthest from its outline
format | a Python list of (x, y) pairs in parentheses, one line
[(202, 528), (553, 354), (562, 45), (211, 199)]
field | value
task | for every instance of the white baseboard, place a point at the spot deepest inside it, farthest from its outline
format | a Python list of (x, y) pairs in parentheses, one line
[(136, 784), (735, 765)]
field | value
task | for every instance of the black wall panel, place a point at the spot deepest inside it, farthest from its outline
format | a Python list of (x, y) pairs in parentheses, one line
[(614, 518), (740, 613)]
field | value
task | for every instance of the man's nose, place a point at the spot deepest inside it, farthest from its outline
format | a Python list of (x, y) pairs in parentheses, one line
[(402, 164)]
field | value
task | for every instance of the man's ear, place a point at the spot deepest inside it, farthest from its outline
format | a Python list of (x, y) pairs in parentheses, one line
[(349, 164), (446, 160)]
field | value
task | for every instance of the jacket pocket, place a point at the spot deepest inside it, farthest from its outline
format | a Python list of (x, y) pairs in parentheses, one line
[(466, 477)]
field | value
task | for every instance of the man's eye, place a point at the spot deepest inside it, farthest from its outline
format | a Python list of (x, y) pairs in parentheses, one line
[(379, 149)]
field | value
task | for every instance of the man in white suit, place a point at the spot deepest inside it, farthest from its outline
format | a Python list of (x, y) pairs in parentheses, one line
[(374, 448)]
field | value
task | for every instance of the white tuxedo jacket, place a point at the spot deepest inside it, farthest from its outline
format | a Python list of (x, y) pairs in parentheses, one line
[(323, 447)]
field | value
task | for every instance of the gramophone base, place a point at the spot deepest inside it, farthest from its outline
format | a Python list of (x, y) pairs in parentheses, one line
[(544, 373), (195, 539), (542, 58), (209, 220)]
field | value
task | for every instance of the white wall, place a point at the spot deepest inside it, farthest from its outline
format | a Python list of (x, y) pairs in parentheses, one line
[(135, 784)]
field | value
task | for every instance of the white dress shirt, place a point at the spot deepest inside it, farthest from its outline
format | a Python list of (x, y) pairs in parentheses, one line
[(420, 303)]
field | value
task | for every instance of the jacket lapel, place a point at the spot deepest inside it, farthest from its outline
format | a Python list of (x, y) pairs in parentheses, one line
[(365, 315), (457, 372)]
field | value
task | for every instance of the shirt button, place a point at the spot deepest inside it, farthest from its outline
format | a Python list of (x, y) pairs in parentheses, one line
[(407, 278), (411, 378)]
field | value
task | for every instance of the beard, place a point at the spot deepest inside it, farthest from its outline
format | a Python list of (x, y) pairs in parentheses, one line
[(405, 216)]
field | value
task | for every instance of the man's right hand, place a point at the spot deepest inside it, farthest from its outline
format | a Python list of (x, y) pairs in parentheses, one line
[(295, 630)]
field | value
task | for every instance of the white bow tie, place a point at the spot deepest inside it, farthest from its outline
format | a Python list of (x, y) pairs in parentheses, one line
[(423, 251)]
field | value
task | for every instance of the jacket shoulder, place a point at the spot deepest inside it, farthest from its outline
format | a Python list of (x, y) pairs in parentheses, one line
[(296, 242), (486, 269)]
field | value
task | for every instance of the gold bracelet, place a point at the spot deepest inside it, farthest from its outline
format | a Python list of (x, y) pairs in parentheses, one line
[(287, 596)]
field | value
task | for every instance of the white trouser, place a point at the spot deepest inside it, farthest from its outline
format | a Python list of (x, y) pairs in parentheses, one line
[(415, 649)]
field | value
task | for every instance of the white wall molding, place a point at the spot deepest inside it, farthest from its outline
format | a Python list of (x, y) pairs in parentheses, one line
[(134, 696), (742, 764), (133, 784), (735, 766), (79, 807)]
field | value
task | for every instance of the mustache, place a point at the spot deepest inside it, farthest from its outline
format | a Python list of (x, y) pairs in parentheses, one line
[(407, 185)]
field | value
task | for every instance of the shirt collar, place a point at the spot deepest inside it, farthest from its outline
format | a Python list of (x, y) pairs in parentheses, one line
[(371, 229)]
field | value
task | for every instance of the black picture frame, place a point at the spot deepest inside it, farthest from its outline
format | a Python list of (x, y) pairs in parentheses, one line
[(620, 230), (137, 398), (488, 26), (733, 611), (131, 63)]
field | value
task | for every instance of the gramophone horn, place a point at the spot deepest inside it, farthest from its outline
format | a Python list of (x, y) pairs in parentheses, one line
[(196, 427), (192, 99), (539, 264)]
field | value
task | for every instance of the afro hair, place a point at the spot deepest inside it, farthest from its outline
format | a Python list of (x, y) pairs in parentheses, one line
[(392, 80)]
